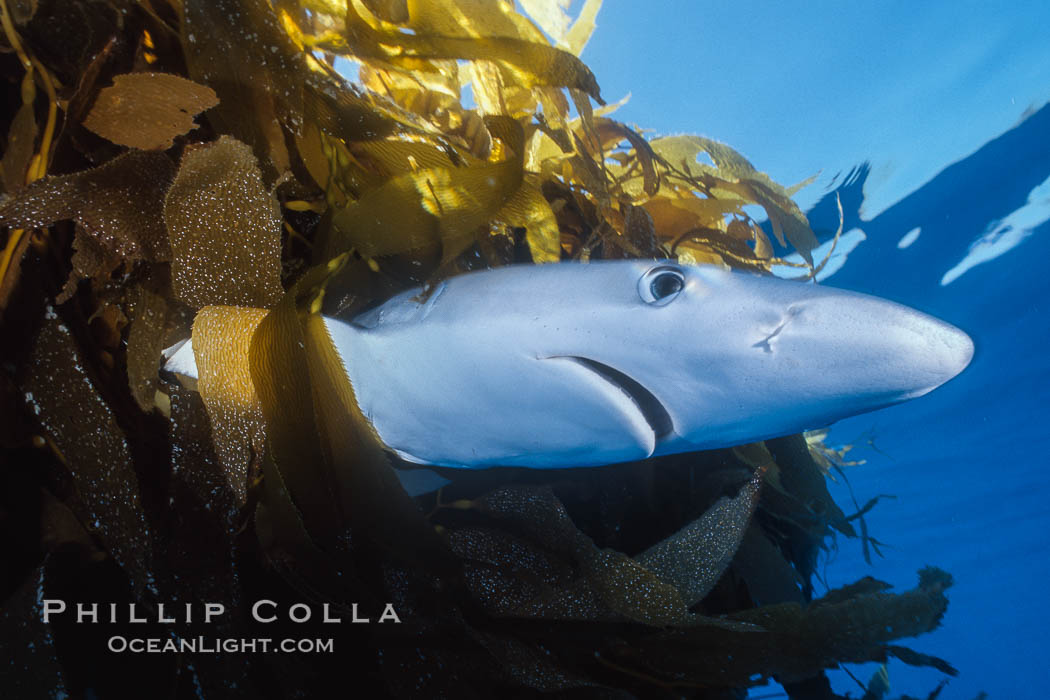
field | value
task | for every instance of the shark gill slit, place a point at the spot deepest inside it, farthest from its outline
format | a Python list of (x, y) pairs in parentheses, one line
[(652, 410)]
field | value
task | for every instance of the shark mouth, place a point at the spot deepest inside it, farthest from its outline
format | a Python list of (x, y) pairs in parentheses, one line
[(649, 406)]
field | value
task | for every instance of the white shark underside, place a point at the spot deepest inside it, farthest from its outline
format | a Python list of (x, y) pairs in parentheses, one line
[(572, 365)]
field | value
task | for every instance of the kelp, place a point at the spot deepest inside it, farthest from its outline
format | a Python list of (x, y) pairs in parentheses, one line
[(224, 227), (148, 110), (115, 207), (441, 208), (697, 555), (205, 171), (88, 440), (221, 338), (32, 668), (149, 315)]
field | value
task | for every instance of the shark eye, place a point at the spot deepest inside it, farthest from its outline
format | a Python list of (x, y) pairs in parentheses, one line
[(661, 285)]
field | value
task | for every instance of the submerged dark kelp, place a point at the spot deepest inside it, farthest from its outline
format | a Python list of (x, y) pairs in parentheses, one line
[(200, 167)]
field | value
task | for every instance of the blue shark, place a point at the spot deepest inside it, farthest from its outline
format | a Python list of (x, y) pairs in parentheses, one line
[(576, 365)]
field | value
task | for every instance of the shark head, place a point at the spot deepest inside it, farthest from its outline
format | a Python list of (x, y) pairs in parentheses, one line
[(578, 365)]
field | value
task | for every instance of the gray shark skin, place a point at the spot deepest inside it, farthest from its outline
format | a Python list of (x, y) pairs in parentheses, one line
[(574, 365)]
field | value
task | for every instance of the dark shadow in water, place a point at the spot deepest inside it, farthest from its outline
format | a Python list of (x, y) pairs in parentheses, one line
[(824, 215), (952, 209), (991, 415)]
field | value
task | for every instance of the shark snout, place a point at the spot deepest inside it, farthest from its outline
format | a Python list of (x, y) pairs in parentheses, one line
[(877, 348), (937, 350)]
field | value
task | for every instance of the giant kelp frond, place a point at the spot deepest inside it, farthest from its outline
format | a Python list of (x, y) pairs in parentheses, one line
[(231, 168)]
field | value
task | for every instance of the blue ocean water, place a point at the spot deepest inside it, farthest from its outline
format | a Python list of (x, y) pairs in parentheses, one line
[(931, 125), (968, 462)]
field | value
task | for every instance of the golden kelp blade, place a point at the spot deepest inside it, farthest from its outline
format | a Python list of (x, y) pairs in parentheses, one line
[(444, 30), (432, 209), (225, 229), (148, 110), (115, 206), (225, 43), (527, 208), (84, 431), (221, 339), (327, 479), (148, 319), (695, 557), (734, 174)]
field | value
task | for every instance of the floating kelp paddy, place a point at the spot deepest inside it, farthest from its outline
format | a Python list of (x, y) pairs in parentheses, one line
[(178, 167)]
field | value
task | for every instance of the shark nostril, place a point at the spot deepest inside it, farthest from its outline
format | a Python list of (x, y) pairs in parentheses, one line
[(767, 342), (790, 313)]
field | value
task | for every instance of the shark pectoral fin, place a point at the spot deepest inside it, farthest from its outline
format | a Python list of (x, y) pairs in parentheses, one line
[(178, 359), (409, 457), (417, 482)]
